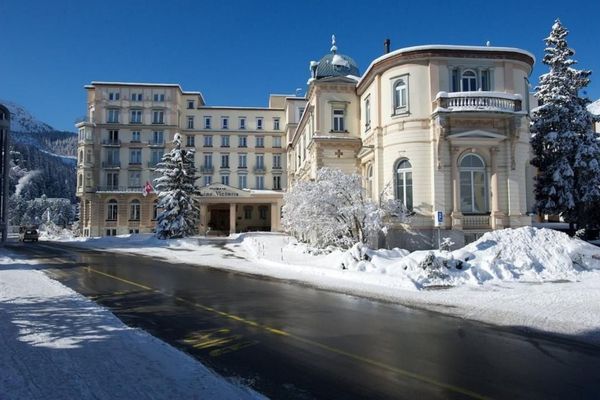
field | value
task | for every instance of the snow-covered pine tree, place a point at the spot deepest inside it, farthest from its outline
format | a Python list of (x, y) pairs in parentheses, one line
[(565, 147), (176, 190)]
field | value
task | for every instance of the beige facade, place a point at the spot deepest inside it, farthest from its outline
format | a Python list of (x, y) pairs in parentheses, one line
[(441, 128), (130, 126)]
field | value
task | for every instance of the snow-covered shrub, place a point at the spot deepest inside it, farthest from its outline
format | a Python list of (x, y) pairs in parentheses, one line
[(446, 244), (581, 234), (334, 210), (179, 212)]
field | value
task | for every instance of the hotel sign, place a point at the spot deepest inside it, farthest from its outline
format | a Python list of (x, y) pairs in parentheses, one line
[(220, 190)]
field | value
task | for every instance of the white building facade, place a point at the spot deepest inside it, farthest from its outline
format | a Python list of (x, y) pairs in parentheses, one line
[(437, 127)]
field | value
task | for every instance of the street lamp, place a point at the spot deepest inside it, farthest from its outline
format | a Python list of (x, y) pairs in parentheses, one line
[(4, 165)]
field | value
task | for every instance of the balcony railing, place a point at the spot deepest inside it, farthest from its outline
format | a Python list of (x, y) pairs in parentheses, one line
[(260, 169), (111, 142), (478, 101), (476, 221), (157, 143), (111, 164), (206, 169), (128, 189)]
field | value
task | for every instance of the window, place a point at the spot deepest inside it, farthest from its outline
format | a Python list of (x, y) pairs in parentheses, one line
[(113, 95), (111, 232), (486, 80), (275, 124), (260, 182), (473, 193), (276, 141), (88, 156), (277, 161), (136, 117), (207, 180), (248, 212), (190, 140), (112, 180), (88, 179), (401, 96), (224, 160), (135, 179), (134, 210), (134, 231), (207, 122), (113, 116), (260, 161), (112, 210), (158, 117), (300, 111), (113, 137), (242, 160), (242, 122), (136, 96), (260, 141), (159, 97), (158, 137), (155, 156), (135, 156), (243, 181), (190, 104), (208, 160), (242, 141), (262, 212), (225, 141), (338, 120), (225, 180), (207, 140), (277, 182), (469, 81), (259, 123), (155, 209), (403, 183), (135, 136), (190, 122), (224, 123), (367, 114), (112, 157), (370, 181)]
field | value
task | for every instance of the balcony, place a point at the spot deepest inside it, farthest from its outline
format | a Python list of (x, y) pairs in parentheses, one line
[(261, 169), (111, 142), (156, 143), (477, 101), (206, 169), (111, 164), (476, 221), (135, 164)]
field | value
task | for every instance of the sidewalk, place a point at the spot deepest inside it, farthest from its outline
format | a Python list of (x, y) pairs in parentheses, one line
[(56, 344)]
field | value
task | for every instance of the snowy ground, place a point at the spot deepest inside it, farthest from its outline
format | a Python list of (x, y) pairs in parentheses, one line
[(529, 278), (55, 344)]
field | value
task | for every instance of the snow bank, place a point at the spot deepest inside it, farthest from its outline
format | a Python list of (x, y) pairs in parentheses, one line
[(58, 345), (524, 254)]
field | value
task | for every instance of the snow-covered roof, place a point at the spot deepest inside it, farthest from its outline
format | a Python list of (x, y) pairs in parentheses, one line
[(445, 47), (107, 83), (594, 108)]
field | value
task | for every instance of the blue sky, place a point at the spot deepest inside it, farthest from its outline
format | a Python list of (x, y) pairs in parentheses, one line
[(237, 52)]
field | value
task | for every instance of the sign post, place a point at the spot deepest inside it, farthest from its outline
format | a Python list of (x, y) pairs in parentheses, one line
[(438, 221)]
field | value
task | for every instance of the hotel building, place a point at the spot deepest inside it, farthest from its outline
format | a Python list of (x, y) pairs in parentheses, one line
[(441, 128)]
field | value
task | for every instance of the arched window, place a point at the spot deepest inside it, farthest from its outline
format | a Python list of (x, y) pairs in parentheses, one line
[(473, 187), (370, 181), (401, 96), (134, 210), (469, 81), (403, 183), (112, 210)]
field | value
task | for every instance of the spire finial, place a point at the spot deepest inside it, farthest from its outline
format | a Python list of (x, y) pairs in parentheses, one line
[(333, 46)]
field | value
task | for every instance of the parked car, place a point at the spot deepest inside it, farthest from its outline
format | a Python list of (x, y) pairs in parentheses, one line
[(28, 233)]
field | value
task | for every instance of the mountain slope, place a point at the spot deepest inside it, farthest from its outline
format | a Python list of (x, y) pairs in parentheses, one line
[(21, 120)]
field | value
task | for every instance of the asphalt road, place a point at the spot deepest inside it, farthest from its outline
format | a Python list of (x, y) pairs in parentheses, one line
[(290, 341)]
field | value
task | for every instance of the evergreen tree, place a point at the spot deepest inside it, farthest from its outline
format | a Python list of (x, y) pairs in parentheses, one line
[(176, 189), (565, 146)]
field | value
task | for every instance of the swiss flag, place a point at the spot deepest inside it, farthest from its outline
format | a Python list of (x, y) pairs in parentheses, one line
[(147, 189)]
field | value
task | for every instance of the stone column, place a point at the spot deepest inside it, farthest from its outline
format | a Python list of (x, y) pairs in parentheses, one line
[(457, 222), (203, 218), (232, 218), (275, 217), (497, 216)]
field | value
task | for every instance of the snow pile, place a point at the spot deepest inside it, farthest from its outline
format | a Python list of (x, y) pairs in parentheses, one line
[(524, 254)]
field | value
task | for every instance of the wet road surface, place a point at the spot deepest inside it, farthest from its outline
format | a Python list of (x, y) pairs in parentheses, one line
[(290, 341)]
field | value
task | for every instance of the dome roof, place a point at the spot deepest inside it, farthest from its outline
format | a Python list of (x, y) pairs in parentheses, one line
[(334, 64)]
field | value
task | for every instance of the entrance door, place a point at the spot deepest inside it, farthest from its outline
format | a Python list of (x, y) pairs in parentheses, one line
[(219, 221)]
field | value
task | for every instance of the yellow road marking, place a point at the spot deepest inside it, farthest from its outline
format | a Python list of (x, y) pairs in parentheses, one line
[(399, 371)]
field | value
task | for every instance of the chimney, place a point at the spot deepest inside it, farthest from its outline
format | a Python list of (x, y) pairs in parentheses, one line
[(386, 46)]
